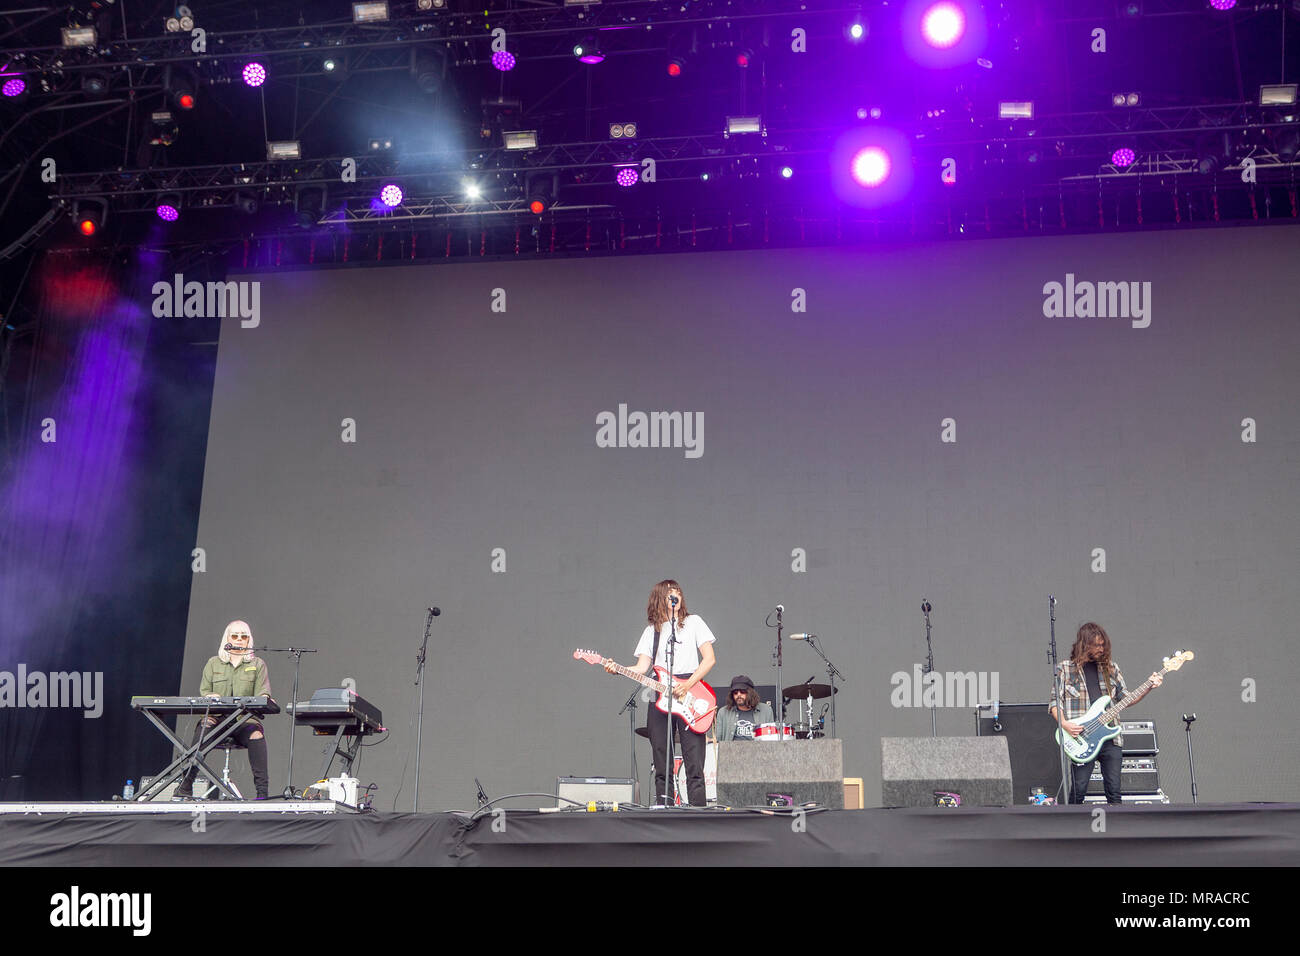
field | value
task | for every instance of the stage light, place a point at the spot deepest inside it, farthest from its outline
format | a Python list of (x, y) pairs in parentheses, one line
[(14, 87), (1123, 157), (79, 36), (308, 205), (943, 25), (1131, 9), (254, 74), (168, 207), (503, 60), (857, 31), (737, 125), (246, 203), (622, 130), (428, 68), (1016, 110), (472, 191), (675, 66), (870, 166), (520, 139), (426, 5), (541, 190), (284, 149), (588, 52), (786, 172), (1223, 4), (329, 64), (381, 144), (370, 12), (391, 195), (172, 25), (744, 57), (704, 178), (536, 207), (1281, 94), (90, 214), (626, 176), (1125, 100), (94, 85), (1213, 150)]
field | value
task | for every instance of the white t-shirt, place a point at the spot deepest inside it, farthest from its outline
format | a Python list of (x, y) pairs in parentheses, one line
[(691, 633)]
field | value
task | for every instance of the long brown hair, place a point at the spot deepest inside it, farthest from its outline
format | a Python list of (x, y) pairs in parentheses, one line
[(657, 609), (1083, 640), (751, 700)]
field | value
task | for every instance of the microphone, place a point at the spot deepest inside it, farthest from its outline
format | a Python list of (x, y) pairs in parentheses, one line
[(435, 611), (925, 606), (780, 609), (672, 600), (800, 637), (237, 647)]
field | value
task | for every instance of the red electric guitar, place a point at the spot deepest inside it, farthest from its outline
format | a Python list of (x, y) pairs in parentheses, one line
[(696, 708)]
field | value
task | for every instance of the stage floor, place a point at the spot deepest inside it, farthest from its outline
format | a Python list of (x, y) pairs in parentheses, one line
[(320, 833)]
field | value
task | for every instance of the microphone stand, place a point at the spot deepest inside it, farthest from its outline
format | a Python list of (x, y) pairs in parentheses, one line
[(832, 672), (1057, 703), (780, 695), (630, 706), (297, 652), (419, 679), (1188, 720), (670, 658), (929, 667)]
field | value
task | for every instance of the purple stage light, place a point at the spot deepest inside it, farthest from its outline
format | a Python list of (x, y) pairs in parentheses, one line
[(391, 195), (870, 166), (254, 74), (168, 213), (627, 176), (1123, 157), (503, 60), (1223, 4), (943, 25), (15, 87)]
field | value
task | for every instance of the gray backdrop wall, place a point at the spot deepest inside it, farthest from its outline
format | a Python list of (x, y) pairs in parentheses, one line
[(476, 430)]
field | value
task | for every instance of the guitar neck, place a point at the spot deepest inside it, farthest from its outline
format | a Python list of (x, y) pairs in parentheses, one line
[(1113, 711), (641, 678)]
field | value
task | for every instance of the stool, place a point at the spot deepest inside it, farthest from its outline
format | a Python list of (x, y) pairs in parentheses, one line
[(227, 745)]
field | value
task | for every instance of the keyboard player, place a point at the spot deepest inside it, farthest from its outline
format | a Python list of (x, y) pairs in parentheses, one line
[(235, 672)]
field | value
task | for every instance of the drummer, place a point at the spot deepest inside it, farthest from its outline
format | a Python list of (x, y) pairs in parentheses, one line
[(743, 713)]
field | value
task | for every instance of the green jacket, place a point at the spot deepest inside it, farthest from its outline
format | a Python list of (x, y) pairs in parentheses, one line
[(249, 679)]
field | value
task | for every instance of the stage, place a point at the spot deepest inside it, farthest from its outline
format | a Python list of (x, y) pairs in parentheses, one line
[(321, 833)]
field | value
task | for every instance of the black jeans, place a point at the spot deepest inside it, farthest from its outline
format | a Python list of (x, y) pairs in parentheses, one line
[(256, 758), (1111, 756), (692, 748)]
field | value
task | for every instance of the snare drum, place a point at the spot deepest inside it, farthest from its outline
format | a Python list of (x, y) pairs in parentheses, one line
[(773, 732)]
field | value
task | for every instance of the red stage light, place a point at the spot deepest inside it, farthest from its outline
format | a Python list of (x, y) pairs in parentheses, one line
[(87, 227), (185, 101), (742, 59), (537, 206), (674, 68)]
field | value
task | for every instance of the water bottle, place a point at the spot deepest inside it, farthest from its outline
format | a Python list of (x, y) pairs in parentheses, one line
[(128, 792)]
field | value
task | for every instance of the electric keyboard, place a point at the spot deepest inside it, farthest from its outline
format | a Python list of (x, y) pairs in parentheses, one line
[(205, 705), (332, 708)]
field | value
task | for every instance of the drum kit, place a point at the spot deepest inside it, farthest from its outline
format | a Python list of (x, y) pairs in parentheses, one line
[(805, 724)]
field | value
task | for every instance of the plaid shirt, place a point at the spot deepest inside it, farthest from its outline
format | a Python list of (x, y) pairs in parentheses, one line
[(1072, 688)]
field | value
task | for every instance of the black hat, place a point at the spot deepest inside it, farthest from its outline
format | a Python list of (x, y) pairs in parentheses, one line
[(741, 682)]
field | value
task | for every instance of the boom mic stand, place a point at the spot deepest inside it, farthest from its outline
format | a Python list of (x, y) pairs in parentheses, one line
[(297, 652), (419, 679), (630, 706), (929, 667), (1056, 701), (832, 672), (780, 696)]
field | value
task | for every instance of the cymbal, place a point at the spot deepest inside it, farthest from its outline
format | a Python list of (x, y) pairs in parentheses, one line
[(799, 691)]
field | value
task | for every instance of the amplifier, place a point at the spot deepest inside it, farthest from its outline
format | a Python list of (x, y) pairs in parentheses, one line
[(1136, 775), (586, 789), (1139, 737), (1132, 799)]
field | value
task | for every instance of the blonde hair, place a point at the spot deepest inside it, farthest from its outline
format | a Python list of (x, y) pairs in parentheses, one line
[(233, 627)]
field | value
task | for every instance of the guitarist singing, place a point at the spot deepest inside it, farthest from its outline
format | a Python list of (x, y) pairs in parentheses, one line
[(1087, 675), (693, 658)]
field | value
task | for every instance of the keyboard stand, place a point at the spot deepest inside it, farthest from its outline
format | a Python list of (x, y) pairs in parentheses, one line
[(193, 754), (332, 750)]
